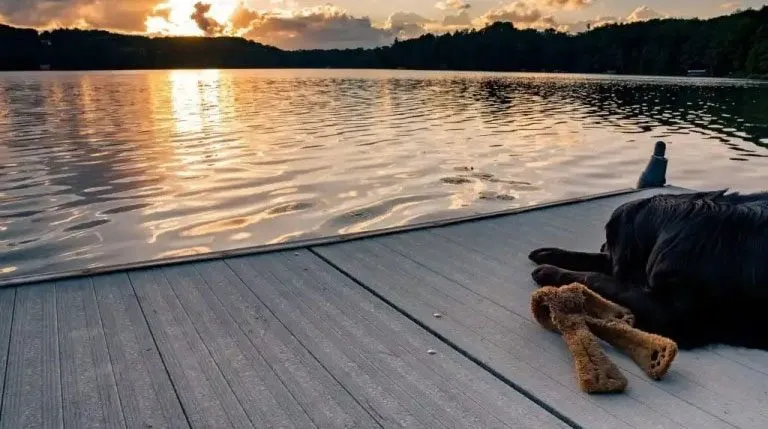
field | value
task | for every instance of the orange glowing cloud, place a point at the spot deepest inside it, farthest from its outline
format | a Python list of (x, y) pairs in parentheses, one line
[(286, 25)]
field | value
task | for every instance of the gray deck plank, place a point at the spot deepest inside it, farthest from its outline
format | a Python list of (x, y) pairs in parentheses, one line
[(341, 324), (146, 393), (729, 383), (287, 340), (205, 394), (89, 391), (478, 275), (7, 303), (32, 396), (388, 401), (326, 401), (438, 385), (468, 321), (754, 359), (730, 387), (261, 393), (576, 226)]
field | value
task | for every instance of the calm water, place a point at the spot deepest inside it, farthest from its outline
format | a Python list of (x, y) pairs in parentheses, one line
[(112, 167)]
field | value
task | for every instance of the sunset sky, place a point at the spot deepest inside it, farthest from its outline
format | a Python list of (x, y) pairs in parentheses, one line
[(294, 24)]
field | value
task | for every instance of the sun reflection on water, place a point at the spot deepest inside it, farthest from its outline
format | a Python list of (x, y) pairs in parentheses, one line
[(195, 99), (116, 167)]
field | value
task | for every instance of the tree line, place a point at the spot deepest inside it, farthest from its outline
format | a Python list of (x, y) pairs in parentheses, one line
[(731, 45)]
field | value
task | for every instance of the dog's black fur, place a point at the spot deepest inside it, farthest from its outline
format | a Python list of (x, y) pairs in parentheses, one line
[(692, 267)]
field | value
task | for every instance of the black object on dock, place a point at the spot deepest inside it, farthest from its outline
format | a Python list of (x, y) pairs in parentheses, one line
[(655, 174)]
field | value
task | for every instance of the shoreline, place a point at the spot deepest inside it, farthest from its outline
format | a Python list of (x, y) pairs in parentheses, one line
[(756, 78)]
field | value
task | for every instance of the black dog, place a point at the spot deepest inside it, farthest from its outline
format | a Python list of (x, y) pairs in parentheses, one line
[(692, 267)]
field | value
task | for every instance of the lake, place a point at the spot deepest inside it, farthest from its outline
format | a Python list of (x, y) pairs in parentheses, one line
[(101, 168)]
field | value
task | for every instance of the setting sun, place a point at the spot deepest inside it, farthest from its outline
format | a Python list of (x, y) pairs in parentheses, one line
[(174, 17)]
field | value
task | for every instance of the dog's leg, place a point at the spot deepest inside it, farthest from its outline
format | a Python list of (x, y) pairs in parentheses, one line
[(574, 261), (651, 314), (550, 275), (604, 285)]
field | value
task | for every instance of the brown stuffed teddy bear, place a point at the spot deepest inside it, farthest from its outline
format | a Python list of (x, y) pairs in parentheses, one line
[(582, 316)]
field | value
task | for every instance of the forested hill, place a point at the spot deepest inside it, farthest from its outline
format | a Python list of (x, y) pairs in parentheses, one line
[(732, 45)]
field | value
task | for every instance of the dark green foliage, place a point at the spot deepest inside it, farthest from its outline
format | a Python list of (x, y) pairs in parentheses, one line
[(19, 48), (732, 45), (96, 49)]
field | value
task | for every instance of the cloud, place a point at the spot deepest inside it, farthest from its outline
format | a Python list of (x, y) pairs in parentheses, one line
[(402, 18), (545, 23), (453, 4), (644, 13), (284, 4), (534, 14), (128, 16), (162, 11), (566, 4), (515, 12), (461, 19), (210, 26), (581, 26), (521, 13), (730, 5), (288, 26), (407, 25), (409, 31), (640, 14), (320, 27), (242, 17)]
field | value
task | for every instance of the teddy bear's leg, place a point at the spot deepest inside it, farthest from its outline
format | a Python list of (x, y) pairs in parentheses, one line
[(563, 311), (595, 371), (653, 353)]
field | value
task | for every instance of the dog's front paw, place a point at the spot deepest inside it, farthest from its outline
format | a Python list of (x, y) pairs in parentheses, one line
[(544, 255), (548, 275)]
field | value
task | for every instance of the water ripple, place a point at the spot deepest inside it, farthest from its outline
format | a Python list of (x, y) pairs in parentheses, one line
[(101, 168)]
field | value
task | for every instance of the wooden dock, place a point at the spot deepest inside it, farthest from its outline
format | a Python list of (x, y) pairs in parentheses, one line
[(421, 328)]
